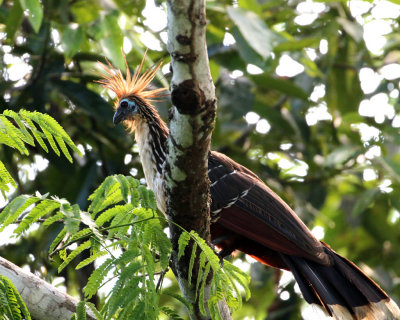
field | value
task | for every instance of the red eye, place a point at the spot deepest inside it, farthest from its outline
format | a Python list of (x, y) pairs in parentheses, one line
[(123, 104)]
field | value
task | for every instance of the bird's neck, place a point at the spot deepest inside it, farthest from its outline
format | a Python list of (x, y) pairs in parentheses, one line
[(151, 136)]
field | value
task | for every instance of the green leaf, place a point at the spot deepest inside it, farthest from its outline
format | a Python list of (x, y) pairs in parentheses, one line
[(26, 136), (81, 310), (170, 292), (296, 45), (58, 239), (254, 30), (170, 313), (182, 243), (113, 40), (71, 216), (191, 263), (285, 86), (14, 20), (73, 254), (37, 134), (35, 12), (43, 208), (71, 40), (14, 209), (89, 260), (93, 308), (5, 178), (341, 155), (364, 201), (11, 303)]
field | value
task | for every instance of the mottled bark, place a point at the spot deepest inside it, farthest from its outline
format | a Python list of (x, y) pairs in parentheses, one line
[(191, 124), (43, 301)]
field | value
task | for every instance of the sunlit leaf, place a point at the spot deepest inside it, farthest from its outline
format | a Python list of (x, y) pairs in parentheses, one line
[(34, 11)]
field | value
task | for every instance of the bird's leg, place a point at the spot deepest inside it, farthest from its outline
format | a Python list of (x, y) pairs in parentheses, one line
[(227, 243)]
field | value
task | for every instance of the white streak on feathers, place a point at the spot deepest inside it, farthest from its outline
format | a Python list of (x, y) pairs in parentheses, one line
[(155, 181)]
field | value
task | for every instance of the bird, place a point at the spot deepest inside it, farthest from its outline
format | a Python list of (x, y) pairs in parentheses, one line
[(246, 215)]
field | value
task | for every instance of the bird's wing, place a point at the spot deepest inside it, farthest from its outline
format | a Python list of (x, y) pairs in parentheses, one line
[(243, 204)]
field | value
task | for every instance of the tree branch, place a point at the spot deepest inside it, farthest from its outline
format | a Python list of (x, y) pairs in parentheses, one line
[(191, 124), (43, 301)]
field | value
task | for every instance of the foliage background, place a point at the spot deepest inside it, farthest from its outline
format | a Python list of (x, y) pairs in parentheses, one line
[(323, 134)]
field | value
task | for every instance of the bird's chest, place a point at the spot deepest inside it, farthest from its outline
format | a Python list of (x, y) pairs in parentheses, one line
[(154, 178)]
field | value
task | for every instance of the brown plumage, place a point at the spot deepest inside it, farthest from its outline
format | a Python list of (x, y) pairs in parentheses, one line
[(247, 215)]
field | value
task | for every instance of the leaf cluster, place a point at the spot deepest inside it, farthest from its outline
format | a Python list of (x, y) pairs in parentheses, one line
[(17, 130), (123, 232), (12, 307), (224, 282)]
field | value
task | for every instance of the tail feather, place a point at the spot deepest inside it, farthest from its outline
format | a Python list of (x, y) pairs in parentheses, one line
[(342, 289)]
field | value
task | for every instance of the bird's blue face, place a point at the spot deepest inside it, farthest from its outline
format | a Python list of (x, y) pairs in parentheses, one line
[(126, 109)]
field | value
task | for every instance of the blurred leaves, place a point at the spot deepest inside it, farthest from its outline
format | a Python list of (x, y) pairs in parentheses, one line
[(338, 169), (250, 26), (34, 11)]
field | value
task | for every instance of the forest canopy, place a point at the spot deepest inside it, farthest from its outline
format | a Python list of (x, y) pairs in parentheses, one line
[(308, 98)]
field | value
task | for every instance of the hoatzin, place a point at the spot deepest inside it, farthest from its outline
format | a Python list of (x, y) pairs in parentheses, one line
[(246, 214)]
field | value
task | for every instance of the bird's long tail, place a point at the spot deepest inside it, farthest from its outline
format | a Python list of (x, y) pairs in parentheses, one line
[(342, 289)]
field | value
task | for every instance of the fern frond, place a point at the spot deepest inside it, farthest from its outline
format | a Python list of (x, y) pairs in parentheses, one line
[(81, 234), (17, 136), (191, 262), (73, 254), (171, 293), (71, 217), (36, 133), (183, 242), (211, 256), (126, 282), (121, 219), (96, 312), (202, 263), (49, 221), (51, 130), (109, 214), (61, 235), (43, 208), (99, 195), (171, 314), (149, 259), (241, 277), (15, 208), (81, 310), (21, 303), (124, 186), (92, 258), (137, 312), (202, 289), (97, 277), (147, 198), (16, 117), (5, 178), (11, 303), (161, 244), (53, 127), (11, 136)]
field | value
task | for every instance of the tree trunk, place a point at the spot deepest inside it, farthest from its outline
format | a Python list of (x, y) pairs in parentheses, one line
[(191, 123), (43, 301)]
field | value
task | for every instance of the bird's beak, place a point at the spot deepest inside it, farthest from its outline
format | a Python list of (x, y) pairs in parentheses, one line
[(119, 115)]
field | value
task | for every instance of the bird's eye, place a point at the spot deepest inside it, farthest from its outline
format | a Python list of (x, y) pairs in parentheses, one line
[(124, 104)]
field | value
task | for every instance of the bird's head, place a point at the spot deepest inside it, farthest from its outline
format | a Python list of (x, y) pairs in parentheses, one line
[(134, 96)]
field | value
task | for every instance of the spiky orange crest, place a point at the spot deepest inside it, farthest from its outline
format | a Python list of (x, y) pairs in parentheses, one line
[(132, 85)]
